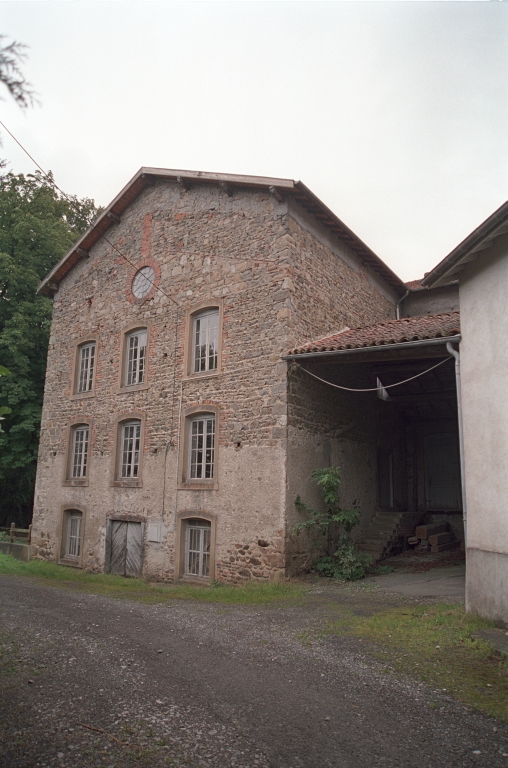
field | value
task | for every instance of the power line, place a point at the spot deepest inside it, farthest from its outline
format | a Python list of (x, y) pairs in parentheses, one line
[(375, 389), (72, 201)]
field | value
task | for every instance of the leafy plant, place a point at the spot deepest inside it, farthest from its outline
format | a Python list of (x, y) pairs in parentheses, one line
[(332, 529)]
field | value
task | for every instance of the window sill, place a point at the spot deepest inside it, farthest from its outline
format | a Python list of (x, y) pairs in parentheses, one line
[(126, 483), (193, 485), (188, 579), (76, 482), (70, 562), (83, 395), (132, 388), (202, 375)]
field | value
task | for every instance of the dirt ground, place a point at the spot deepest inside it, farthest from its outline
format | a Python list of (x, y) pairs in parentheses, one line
[(93, 681)]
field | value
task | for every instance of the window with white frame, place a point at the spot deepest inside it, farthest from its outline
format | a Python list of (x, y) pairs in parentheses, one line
[(79, 451), (202, 447), (73, 538), (135, 357), (197, 548), (86, 365), (205, 335), (129, 449)]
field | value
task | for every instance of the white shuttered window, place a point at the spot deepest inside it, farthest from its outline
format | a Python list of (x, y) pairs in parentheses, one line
[(73, 544), (86, 367), (79, 451), (197, 548), (206, 341), (135, 357), (131, 439), (202, 448)]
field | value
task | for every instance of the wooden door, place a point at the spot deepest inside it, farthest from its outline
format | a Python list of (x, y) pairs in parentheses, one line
[(126, 556), (442, 472), (134, 550)]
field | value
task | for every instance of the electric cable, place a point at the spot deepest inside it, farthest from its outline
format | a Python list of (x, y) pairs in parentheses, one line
[(375, 389)]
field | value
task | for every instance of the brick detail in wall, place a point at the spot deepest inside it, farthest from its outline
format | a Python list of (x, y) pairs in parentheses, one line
[(279, 286)]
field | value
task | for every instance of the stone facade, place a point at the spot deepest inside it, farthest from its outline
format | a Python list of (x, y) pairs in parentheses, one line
[(278, 278)]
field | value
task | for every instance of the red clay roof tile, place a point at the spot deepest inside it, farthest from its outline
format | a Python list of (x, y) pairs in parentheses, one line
[(390, 332)]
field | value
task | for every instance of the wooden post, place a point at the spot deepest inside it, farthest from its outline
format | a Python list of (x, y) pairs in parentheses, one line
[(29, 534), (13, 526)]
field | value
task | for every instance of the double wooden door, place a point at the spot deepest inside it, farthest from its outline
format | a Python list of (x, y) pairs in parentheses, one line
[(126, 548)]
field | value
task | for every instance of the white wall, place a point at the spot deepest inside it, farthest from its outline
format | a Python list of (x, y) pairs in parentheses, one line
[(484, 370)]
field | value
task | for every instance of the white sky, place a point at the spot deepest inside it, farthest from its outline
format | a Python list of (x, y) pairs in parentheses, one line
[(394, 113)]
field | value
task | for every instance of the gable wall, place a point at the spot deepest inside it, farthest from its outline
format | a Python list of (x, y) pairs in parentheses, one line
[(207, 246)]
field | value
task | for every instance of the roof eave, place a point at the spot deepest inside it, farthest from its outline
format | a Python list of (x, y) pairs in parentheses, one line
[(146, 176), (376, 348), (469, 249), (368, 256)]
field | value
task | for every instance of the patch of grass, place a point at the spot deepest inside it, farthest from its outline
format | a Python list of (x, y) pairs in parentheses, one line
[(107, 584), (433, 643)]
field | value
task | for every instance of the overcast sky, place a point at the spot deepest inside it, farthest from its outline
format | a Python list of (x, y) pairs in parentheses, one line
[(394, 113)]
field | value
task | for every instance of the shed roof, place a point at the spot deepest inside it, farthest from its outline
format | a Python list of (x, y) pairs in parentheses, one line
[(469, 249), (390, 332), (145, 177)]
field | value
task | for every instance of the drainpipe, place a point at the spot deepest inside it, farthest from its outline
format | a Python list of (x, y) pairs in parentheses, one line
[(397, 306), (456, 355)]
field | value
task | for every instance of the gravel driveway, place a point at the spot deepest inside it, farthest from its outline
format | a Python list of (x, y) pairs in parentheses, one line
[(93, 681)]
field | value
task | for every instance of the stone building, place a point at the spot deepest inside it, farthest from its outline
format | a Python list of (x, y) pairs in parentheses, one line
[(165, 445)]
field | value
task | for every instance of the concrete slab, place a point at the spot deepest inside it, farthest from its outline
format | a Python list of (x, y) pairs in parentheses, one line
[(19, 551), (438, 582), (498, 638)]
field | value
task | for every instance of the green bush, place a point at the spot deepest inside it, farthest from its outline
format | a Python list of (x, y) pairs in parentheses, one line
[(332, 530)]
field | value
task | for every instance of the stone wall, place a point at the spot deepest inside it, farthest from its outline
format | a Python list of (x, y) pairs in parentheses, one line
[(277, 284), (330, 427)]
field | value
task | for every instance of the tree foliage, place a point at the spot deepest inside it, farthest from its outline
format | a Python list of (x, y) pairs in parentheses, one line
[(12, 55), (37, 227), (332, 527)]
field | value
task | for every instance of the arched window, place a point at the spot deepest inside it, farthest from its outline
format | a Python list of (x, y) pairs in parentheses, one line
[(135, 357), (205, 340), (130, 445), (79, 461), (197, 547), (202, 447), (86, 367)]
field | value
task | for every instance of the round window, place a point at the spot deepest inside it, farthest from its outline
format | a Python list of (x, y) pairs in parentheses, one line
[(143, 282)]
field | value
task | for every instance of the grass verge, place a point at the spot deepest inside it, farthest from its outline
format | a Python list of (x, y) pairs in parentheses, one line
[(433, 643), (106, 584)]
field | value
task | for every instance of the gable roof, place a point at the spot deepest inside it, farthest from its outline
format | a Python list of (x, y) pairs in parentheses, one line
[(145, 177), (469, 249), (390, 332)]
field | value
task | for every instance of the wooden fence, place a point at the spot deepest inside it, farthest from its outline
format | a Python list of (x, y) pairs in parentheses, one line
[(18, 533)]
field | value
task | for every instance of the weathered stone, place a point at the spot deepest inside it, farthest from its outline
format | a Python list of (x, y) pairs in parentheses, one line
[(283, 278)]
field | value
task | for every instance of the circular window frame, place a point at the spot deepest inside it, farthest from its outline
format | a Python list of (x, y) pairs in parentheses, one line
[(148, 281), (132, 275)]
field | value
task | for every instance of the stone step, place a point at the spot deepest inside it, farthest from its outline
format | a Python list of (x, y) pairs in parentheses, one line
[(382, 529), (371, 541), (445, 547)]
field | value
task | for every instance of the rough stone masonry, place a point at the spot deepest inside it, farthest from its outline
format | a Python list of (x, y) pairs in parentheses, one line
[(278, 277)]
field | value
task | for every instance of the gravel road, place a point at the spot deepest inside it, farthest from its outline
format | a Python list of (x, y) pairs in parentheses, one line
[(93, 681)]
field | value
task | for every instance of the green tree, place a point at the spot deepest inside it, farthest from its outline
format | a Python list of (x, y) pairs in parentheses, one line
[(12, 55), (37, 227)]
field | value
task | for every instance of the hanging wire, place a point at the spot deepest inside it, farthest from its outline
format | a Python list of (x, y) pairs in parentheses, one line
[(376, 389), (73, 202)]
